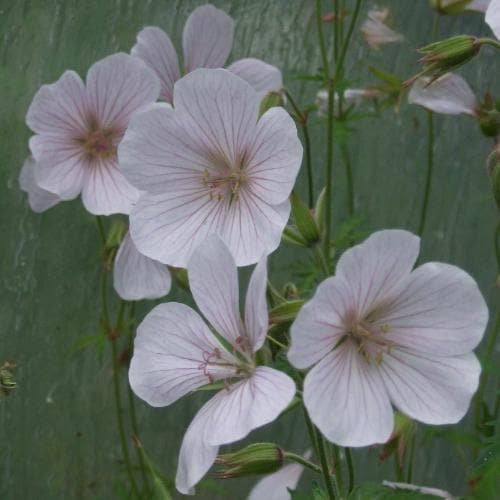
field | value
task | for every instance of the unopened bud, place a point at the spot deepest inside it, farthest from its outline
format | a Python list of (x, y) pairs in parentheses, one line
[(290, 291), (7, 381), (402, 435), (446, 55), (489, 121), (446, 7), (271, 100), (257, 458), (304, 220), (494, 173), (285, 312)]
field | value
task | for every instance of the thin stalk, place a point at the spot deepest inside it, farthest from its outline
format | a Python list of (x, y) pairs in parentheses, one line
[(307, 148), (336, 31), (310, 430), (349, 177), (322, 44), (337, 468), (429, 172), (100, 228), (302, 461), (322, 260), (350, 469), (489, 41), (340, 62), (327, 477), (411, 458), (131, 402)]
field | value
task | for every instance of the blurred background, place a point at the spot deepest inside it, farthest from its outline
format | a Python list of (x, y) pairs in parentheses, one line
[(58, 436)]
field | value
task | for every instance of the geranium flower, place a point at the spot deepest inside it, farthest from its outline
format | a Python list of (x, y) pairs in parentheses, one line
[(379, 333), (137, 277), (376, 32), (351, 97), (449, 94), (209, 166), (492, 17), (176, 352), (207, 41), (78, 128), (39, 199)]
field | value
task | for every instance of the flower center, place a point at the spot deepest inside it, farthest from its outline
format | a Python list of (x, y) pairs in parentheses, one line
[(370, 339), (225, 180), (100, 144), (216, 367)]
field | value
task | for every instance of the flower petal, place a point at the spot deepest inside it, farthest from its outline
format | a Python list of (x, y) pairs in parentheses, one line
[(319, 326), (106, 191), (60, 107), (375, 32), (156, 50), (174, 353), (492, 17), (207, 38), (275, 486), (439, 310), (159, 154), (274, 157), (450, 94), (263, 77), (222, 111), (39, 199), (256, 315), (247, 405), (375, 267), (196, 455), (432, 389), (117, 86), (478, 5), (213, 280), (346, 399), (61, 166), (137, 277)]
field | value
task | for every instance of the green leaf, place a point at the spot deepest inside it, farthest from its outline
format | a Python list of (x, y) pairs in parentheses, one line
[(304, 220)]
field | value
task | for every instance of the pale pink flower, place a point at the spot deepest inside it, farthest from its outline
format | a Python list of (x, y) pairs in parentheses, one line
[(380, 334), (275, 486), (351, 97), (207, 41), (176, 352), (209, 166), (376, 32), (492, 17), (39, 199), (78, 127), (137, 277), (449, 94)]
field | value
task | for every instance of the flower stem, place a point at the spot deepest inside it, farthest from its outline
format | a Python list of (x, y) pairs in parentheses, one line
[(301, 460), (430, 168), (340, 62), (350, 183), (307, 147), (411, 459), (489, 41), (350, 468), (327, 477), (131, 402), (100, 228)]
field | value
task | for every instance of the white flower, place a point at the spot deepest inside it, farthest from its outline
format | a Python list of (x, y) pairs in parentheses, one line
[(275, 486), (39, 199), (380, 334), (175, 352), (78, 128), (376, 32), (207, 41), (137, 277), (449, 94), (209, 166), (492, 17), (351, 97)]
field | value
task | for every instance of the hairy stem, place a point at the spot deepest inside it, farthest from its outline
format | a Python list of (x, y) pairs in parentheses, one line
[(350, 183), (302, 461), (327, 477), (429, 171), (411, 459), (350, 469)]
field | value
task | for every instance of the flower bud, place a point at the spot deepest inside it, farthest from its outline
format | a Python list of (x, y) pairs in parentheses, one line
[(402, 435), (290, 291), (446, 7), (285, 312), (445, 55), (256, 458), (304, 220), (489, 121), (7, 381), (494, 173)]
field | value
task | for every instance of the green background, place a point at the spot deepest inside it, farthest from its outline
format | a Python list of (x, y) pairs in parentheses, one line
[(58, 436)]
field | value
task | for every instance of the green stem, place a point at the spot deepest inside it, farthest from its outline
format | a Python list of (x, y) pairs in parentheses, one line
[(336, 32), (348, 172), (340, 63), (322, 44), (307, 147), (100, 228), (302, 461), (131, 401), (310, 430), (327, 477), (489, 41), (350, 469), (411, 458), (429, 172), (322, 260)]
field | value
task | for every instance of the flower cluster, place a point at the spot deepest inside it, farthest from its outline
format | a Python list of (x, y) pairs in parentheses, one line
[(205, 178)]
